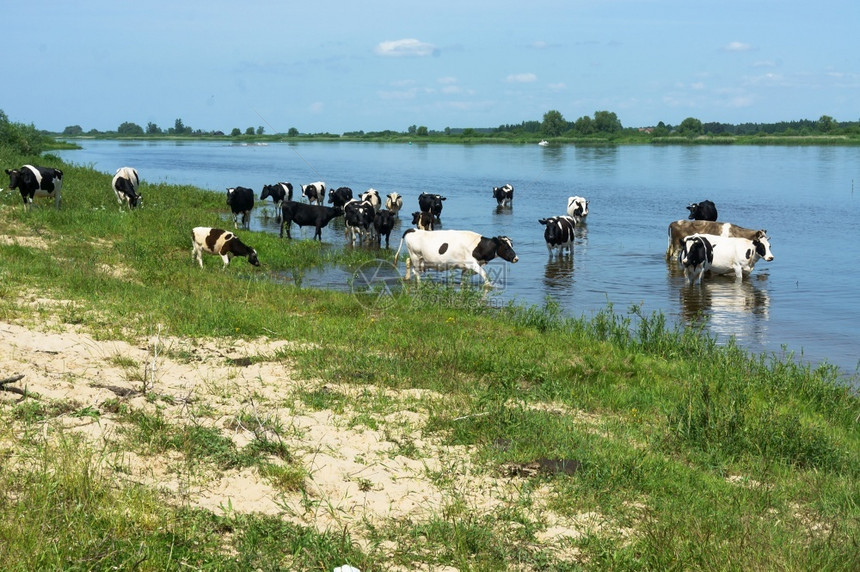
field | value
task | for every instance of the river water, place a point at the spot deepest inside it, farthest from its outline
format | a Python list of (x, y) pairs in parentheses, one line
[(806, 302)]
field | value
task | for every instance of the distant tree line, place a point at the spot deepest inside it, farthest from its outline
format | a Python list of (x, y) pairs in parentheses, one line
[(604, 125)]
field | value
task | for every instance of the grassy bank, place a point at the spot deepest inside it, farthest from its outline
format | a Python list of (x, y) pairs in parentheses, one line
[(669, 451)]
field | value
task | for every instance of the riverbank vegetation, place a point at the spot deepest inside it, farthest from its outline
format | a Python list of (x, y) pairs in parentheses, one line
[(553, 443), (602, 128)]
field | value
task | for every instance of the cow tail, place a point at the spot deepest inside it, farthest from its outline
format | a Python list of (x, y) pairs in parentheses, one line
[(402, 238)]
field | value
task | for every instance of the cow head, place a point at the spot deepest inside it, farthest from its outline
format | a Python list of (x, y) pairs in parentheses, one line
[(252, 258), (230, 192), (20, 178), (762, 246), (505, 249)]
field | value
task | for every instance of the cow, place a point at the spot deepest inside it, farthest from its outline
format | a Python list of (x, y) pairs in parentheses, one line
[(279, 192), (314, 192), (383, 224), (340, 196), (559, 234), (680, 229), (125, 183), (705, 210), (736, 255), (358, 220), (431, 203), (504, 195), (372, 196), (422, 221), (446, 249), (241, 201), (219, 242), (393, 203), (307, 215), (577, 207), (696, 257), (36, 182)]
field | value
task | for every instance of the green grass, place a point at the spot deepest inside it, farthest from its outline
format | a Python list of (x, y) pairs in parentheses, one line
[(657, 433)]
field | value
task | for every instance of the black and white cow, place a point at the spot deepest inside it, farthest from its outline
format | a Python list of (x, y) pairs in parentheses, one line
[(504, 195), (577, 207), (559, 234), (431, 203), (316, 216), (735, 255), (220, 242), (705, 210), (422, 221), (393, 203), (36, 182), (358, 220), (314, 192), (696, 257), (241, 201), (680, 229), (383, 224), (448, 249), (125, 183), (279, 192), (372, 196), (340, 196)]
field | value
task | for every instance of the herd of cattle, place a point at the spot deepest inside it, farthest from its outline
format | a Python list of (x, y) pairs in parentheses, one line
[(700, 243)]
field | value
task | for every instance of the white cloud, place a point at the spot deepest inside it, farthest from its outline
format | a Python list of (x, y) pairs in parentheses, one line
[(698, 85), (737, 47), (521, 78), (404, 47), (540, 45), (561, 86), (316, 107), (447, 80)]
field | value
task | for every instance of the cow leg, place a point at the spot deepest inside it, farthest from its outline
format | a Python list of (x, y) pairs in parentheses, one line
[(196, 255), (226, 259)]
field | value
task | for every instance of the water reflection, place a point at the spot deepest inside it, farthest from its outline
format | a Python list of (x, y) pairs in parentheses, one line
[(732, 308), (558, 274)]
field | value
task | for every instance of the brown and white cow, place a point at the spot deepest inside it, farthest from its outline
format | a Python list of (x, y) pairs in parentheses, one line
[(681, 229), (220, 242), (448, 249)]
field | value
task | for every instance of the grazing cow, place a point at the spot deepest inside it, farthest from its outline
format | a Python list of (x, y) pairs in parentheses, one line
[(504, 195), (340, 196), (577, 207), (422, 221), (394, 202), (680, 229), (125, 184), (383, 223), (559, 234), (736, 255), (358, 220), (372, 196), (36, 182), (446, 249), (241, 201), (705, 210), (307, 215), (314, 192), (696, 257), (279, 192), (220, 242), (431, 203)]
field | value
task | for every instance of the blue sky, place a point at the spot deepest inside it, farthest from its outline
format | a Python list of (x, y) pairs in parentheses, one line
[(339, 66)]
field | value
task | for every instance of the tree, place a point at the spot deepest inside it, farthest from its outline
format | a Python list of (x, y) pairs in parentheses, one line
[(178, 127), (249, 131), (260, 130), (236, 132), (826, 124), (606, 122), (422, 131), (153, 129), (293, 132), (553, 123), (584, 125), (73, 130), (412, 129), (690, 127), (129, 128)]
